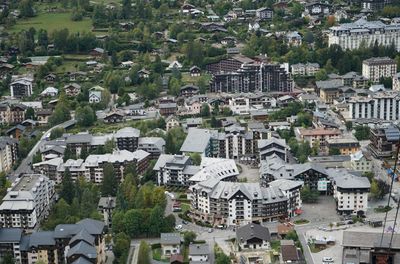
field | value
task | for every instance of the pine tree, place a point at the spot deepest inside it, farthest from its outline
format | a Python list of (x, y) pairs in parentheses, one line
[(109, 186), (67, 187)]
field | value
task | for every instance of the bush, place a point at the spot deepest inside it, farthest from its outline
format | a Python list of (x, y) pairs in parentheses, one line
[(156, 245), (199, 242), (185, 217)]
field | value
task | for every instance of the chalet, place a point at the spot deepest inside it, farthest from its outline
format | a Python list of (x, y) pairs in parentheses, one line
[(264, 13), (79, 75), (228, 41), (97, 52), (16, 131), (51, 77), (293, 38), (252, 237), (72, 89), (94, 97), (126, 26), (50, 92), (186, 8), (167, 109), (29, 123), (189, 90), (174, 65), (213, 27), (126, 64), (5, 68), (195, 71), (114, 117), (317, 9), (43, 116), (16, 113), (158, 35), (143, 74), (171, 122)]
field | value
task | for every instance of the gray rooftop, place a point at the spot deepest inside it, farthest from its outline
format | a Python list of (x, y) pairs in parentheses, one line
[(8, 235), (252, 230), (127, 132), (170, 238), (197, 140), (199, 249)]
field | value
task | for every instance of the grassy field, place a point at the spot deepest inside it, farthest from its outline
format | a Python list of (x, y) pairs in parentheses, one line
[(53, 21)]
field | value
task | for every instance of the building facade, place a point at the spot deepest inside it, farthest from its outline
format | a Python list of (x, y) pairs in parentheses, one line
[(352, 35), (376, 68)]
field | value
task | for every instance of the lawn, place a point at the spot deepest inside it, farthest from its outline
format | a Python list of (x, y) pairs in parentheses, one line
[(53, 21)]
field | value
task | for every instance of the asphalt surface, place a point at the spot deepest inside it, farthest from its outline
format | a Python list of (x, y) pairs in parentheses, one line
[(25, 166)]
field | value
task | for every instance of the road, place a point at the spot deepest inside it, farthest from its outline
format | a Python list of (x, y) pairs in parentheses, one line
[(25, 166)]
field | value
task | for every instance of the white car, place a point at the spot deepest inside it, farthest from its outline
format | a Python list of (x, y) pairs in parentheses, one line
[(327, 260), (178, 227)]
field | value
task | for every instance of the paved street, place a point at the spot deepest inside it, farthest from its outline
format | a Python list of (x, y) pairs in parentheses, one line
[(25, 166)]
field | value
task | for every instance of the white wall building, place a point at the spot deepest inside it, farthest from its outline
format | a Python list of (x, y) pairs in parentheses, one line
[(305, 69), (375, 68), (350, 192), (381, 105), (359, 162), (27, 202), (352, 35), (396, 82)]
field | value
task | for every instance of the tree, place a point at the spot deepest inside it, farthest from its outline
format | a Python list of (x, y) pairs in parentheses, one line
[(37, 158), (189, 237), (174, 140), (143, 257), (205, 110), (221, 258), (374, 190), (321, 75), (26, 8), (67, 187), (121, 245), (196, 158), (61, 114), (30, 113), (109, 146), (56, 133), (308, 195), (362, 132), (109, 185), (85, 116), (349, 125), (334, 151)]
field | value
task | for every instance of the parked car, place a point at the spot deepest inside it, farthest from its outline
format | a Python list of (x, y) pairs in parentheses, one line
[(178, 227), (210, 230), (327, 260)]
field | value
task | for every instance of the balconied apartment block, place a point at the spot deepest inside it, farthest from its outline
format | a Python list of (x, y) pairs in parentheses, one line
[(352, 35), (27, 202)]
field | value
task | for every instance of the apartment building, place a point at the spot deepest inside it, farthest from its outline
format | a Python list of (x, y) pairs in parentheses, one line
[(11, 114), (21, 87), (380, 105), (174, 169), (254, 77), (346, 146), (291, 189), (396, 82), (310, 174), (317, 135), (269, 147), (127, 138), (153, 145), (244, 103), (234, 203), (106, 207), (82, 242), (120, 159), (376, 68), (350, 192), (359, 162), (329, 90), (304, 69), (352, 35), (383, 141), (8, 153), (27, 202)]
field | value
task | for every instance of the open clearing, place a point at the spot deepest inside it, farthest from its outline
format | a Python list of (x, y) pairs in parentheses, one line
[(53, 21)]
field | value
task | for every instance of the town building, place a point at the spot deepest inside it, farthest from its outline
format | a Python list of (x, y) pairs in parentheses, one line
[(170, 244), (329, 90), (120, 159), (264, 13), (350, 192), (304, 69), (318, 9), (171, 122), (253, 236), (376, 68), (317, 135), (153, 145), (11, 114), (234, 203), (352, 35), (72, 89), (174, 170), (10, 241), (383, 141), (8, 153), (346, 146), (271, 146), (22, 87), (359, 162), (290, 253), (127, 138), (199, 253), (291, 189), (383, 105), (189, 90), (368, 246), (396, 82), (240, 74), (27, 202), (106, 207)]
